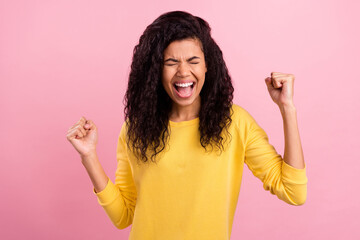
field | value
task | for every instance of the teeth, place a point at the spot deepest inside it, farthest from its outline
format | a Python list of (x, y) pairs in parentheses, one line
[(183, 84)]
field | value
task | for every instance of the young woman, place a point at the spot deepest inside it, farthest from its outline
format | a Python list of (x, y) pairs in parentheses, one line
[(183, 145)]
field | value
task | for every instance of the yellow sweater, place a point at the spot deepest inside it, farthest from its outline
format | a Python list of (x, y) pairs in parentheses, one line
[(192, 194)]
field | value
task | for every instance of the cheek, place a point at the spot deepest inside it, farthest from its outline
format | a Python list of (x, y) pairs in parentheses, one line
[(167, 75), (200, 74), (199, 69)]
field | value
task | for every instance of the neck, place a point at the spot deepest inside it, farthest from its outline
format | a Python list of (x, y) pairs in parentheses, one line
[(185, 113)]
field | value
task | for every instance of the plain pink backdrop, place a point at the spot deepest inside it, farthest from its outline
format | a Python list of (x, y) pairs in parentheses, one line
[(60, 60)]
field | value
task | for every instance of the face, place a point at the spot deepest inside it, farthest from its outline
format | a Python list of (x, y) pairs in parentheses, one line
[(184, 71)]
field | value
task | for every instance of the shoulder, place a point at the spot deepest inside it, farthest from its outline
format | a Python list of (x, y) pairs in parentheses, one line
[(240, 114), (244, 122), (241, 118)]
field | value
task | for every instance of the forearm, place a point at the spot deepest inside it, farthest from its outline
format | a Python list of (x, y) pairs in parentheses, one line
[(293, 153), (95, 171)]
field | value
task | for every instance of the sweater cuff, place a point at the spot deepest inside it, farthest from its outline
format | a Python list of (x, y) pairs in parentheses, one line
[(108, 194), (294, 175)]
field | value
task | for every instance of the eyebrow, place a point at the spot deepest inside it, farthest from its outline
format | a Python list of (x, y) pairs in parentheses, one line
[(174, 60)]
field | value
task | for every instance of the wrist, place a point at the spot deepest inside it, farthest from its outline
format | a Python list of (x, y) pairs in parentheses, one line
[(90, 156), (287, 108)]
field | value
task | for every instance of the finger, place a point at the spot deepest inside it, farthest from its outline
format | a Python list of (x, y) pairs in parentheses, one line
[(82, 129), (74, 134), (278, 74), (78, 128), (275, 85), (79, 123), (281, 79), (281, 76), (82, 120), (80, 132), (277, 82), (274, 74), (73, 126)]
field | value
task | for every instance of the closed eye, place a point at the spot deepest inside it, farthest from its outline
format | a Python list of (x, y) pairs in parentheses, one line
[(175, 64), (176, 61)]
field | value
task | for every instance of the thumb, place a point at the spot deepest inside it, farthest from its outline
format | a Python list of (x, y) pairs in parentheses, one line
[(268, 83)]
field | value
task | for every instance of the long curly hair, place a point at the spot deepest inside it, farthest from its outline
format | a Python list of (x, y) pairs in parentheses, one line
[(147, 105)]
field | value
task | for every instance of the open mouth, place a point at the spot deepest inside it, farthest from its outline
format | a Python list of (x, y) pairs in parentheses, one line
[(184, 90)]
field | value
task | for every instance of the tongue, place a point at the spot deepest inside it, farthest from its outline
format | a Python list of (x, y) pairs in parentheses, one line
[(184, 91)]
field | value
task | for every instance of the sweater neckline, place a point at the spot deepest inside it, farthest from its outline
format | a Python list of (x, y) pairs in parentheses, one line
[(184, 123)]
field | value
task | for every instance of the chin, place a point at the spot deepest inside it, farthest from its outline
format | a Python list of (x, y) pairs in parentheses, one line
[(184, 102)]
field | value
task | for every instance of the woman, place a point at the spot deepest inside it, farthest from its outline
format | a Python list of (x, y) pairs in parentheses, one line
[(182, 148)]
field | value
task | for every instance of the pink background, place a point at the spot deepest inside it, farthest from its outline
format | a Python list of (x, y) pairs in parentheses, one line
[(60, 60)]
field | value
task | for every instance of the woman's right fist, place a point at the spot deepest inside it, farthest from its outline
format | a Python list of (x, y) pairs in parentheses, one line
[(83, 136)]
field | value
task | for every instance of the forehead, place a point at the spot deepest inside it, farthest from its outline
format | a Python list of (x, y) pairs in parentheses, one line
[(183, 48)]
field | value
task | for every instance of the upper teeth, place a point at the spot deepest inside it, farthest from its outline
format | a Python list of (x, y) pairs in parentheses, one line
[(183, 84)]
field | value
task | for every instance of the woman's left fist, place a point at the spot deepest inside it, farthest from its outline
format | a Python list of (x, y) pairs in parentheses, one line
[(281, 88)]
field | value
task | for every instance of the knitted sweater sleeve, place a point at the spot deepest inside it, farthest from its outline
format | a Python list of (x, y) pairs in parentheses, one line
[(281, 179), (119, 199)]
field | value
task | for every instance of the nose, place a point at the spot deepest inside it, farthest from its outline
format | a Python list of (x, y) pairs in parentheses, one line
[(183, 70)]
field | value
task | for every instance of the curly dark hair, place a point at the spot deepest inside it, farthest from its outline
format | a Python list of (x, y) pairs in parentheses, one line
[(147, 105)]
